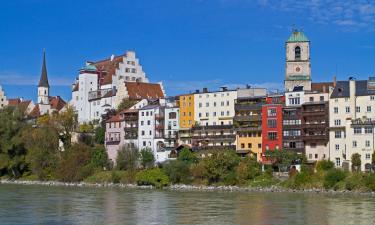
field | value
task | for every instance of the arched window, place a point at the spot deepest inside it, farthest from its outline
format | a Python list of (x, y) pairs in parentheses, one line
[(297, 53)]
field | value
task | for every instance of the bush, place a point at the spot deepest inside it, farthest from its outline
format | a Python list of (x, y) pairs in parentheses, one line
[(147, 158), (332, 177), (99, 157), (100, 177), (324, 165), (127, 159), (219, 164), (187, 156), (354, 181), (155, 177), (177, 171), (198, 171), (248, 169), (369, 181)]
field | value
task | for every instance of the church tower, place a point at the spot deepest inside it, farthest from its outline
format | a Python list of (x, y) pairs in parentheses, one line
[(298, 67), (43, 86)]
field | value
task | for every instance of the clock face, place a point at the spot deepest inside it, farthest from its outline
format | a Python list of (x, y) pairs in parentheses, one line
[(298, 69)]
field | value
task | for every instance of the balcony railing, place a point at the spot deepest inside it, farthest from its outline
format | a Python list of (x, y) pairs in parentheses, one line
[(315, 137), (248, 118), (215, 137), (112, 141), (257, 128), (213, 127), (314, 113), (315, 125), (243, 107)]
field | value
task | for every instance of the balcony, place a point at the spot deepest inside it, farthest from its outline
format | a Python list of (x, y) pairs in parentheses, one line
[(171, 136), (315, 137), (130, 136), (131, 118), (315, 125), (158, 136), (248, 118), (256, 128), (215, 147), (131, 128), (100, 93), (315, 113), (213, 127), (112, 141), (215, 137), (245, 107)]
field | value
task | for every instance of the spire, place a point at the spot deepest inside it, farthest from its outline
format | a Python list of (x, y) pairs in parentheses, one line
[(43, 82)]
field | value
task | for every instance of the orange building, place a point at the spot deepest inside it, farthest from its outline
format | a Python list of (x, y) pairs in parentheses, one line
[(186, 103)]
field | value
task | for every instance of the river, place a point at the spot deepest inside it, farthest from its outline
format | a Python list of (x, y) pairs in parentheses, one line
[(32, 204)]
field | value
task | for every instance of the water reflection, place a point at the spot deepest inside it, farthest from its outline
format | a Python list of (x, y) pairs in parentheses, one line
[(61, 205)]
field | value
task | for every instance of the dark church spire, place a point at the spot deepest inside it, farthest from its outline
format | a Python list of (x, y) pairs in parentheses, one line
[(43, 82)]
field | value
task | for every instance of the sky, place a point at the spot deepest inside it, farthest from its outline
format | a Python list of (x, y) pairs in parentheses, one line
[(187, 44)]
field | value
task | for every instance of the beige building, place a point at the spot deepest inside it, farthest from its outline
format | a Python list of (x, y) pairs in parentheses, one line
[(352, 121), (3, 98)]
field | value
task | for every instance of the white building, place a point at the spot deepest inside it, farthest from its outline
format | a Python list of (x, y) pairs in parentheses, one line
[(214, 108), (172, 126), (94, 91), (3, 98), (351, 106)]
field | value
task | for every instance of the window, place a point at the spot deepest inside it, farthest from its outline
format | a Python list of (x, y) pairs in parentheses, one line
[(354, 144), (227, 103), (358, 109), (311, 99), (222, 103), (143, 113), (310, 156), (259, 145), (337, 122), (271, 112), (249, 145), (297, 53), (147, 113), (143, 132), (338, 163), (367, 143), (207, 104), (173, 115), (214, 104), (141, 123), (228, 113), (294, 101), (144, 144), (200, 105), (242, 145), (321, 98), (271, 123), (200, 115), (368, 130), (148, 122), (347, 109), (368, 108), (150, 132), (222, 113), (337, 147), (368, 156), (357, 130), (372, 98), (207, 114), (337, 134), (316, 156), (272, 135), (335, 110)]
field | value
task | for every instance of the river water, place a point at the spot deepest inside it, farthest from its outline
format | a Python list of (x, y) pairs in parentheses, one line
[(22, 204)]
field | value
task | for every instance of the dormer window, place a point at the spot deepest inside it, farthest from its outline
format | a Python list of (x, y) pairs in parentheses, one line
[(297, 53)]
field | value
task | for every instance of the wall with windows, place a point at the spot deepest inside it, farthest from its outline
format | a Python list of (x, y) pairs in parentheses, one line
[(272, 127), (186, 104), (3, 98)]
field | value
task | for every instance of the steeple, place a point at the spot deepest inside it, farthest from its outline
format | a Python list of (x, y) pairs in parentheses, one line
[(43, 82)]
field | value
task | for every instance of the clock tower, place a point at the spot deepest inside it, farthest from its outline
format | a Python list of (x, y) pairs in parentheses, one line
[(298, 66)]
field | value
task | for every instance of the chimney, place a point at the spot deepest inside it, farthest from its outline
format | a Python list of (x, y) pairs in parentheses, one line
[(324, 89), (223, 88), (197, 91), (205, 90), (112, 57), (352, 87), (334, 81)]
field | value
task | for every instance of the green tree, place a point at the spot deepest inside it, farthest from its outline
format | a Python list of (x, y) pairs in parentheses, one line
[(99, 135), (155, 177), (12, 151), (42, 146), (147, 158), (324, 165), (220, 164), (248, 168), (75, 164), (332, 177), (126, 104), (284, 158), (187, 156), (127, 158), (356, 162), (99, 157), (177, 171)]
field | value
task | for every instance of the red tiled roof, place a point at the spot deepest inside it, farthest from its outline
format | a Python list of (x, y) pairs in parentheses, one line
[(14, 101), (57, 103), (115, 118), (139, 90), (109, 66), (321, 87), (17, 102), (35, 113)]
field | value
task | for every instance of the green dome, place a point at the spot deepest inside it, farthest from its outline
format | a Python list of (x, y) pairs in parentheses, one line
[(89, 67), (297, 36)]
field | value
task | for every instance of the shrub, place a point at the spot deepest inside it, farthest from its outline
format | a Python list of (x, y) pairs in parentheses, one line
[(177, 171), (354, 181), (356, 162), (127, 159), (147, 158), (99, 157), (332, 177), (247, 169), (369, 181), (187, 156), (324, 165), (100, 177), (198, 171), (302, 179), (219, 164), (155, 177)]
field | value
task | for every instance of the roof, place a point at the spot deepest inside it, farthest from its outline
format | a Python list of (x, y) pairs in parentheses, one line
[(43, 82), (35, 113), (115, 118), (57, 103), (322, 87), (342, 89), (17, 102), (109, 67), (150, 107), (139, 90), (297, 36), (14, 101)]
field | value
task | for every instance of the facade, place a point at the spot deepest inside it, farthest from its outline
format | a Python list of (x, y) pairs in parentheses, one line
[(114, 136), (186, 104), (3, 99), (172, 126), (213, 116), (351, 116), (272, 124), (315, 125), (298, 66), (248, 125)]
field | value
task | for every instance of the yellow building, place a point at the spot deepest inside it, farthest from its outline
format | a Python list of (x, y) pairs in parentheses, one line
[(186, 103)]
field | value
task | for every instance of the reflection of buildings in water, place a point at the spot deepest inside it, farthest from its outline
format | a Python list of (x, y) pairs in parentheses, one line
[(110, 206), (151, 207)]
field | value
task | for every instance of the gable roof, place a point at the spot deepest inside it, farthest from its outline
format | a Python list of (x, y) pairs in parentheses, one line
[(139, 90), (35, 113), (108, 67), (322, 87), (115, 118), (57, 103)]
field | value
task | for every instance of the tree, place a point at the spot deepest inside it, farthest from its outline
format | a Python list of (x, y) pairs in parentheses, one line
[(42, 146), (127, 159), (177, 171), (147, 158), (220, 164), (126, 104), (247, 169), (12, 151), (324, 165), (373, 161), (75, 163), (99, 157), (100, 135), (356, 162), (187, 156), (284, 158)]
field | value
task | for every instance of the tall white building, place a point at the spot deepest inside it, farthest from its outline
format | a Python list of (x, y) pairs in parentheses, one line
[(3, 98), (298, 66), (101, 86), (352, 107)]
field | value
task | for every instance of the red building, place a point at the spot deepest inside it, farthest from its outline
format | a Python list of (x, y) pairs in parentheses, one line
[(272, 123)]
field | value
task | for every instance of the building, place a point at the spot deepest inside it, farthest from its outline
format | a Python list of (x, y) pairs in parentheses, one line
[(248, 121), (298, 66), (101, 86), (3, 99), (186, 104), (213, 116), (172, 126), (272, 124), (315, 122), (351, 116), (26, 106), (292, 120)]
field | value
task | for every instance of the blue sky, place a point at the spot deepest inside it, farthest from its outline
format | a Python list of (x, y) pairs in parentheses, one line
[(187, 44)]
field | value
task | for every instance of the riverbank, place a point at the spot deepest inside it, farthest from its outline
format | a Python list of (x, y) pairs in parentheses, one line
[(183, 187)]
